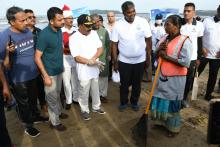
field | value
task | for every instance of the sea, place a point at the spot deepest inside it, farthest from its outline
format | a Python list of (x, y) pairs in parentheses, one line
[(43, 22)]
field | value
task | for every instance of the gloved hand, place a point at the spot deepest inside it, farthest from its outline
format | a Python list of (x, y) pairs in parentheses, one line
[(100, 65), (91, 62)]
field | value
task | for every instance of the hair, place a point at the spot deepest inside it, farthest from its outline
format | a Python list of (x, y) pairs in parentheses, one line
[(51, 13), (190, 5), (101, 18), (10, 14), (28, 11), (176, 20), (126, 5), (93, 16)]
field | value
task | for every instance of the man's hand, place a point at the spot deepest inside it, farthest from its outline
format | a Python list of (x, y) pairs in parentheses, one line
[(91, 62), (218, 54), (47, 81), (163, 46), (197, 63), (109, 58), (163, 54), (205, 52), (10, 47), (116, 66), (6, 94), (100, 65)]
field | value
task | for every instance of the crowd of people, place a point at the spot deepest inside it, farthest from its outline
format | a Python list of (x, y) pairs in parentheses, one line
[(39, 65)]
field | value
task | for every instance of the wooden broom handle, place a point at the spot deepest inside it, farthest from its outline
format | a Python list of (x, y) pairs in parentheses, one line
[(153, 86)]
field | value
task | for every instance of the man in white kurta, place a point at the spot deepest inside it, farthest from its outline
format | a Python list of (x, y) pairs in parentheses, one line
[(86, 47)]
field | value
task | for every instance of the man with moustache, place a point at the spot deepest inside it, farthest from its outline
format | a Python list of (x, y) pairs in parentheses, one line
[(131, 36), (86, 48), (23, 72)]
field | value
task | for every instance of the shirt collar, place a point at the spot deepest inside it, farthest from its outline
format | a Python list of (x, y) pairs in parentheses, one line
[(216, 19), (193, 22)]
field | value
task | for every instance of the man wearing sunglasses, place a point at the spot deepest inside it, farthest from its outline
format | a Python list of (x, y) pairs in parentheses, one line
[(31, 22), (86, 48)]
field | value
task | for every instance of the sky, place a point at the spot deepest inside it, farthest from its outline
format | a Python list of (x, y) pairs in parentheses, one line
[(40, 7)]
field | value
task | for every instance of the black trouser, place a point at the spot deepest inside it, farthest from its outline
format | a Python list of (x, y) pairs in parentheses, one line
[(130, 74), (190, 78), (40, 92), (110, 69), (5, 140), (214, 65), (25, 94)]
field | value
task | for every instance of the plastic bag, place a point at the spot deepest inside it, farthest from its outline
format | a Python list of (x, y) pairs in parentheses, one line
[(116, 77), (195, 87)]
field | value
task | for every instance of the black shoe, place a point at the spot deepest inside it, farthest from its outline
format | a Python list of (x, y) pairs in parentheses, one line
[(59, 127), (209, 97), (68, 106), (63, 116), (40, 119), (75, 103), (32, 132), (103, 99), (135, 107)]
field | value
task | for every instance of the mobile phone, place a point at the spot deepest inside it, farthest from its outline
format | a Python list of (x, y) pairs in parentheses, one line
[(11, 54), (10, 42)]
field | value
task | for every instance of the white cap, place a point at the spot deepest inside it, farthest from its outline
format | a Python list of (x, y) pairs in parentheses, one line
[(67, 13)]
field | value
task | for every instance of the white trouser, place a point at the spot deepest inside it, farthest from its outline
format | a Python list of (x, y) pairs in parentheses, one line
[(87, 86), (52, 94), (70, 84), (103, 86)]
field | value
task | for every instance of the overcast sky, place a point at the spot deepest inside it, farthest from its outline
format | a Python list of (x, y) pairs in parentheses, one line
[(40, 6)]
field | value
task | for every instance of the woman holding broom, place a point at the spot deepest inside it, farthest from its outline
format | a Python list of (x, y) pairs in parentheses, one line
[(175, 51)]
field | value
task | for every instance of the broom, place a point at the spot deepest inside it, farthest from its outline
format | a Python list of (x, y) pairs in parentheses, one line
[(140, 130)]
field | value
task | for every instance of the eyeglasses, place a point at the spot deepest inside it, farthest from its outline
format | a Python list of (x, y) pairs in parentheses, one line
[(31, 17)]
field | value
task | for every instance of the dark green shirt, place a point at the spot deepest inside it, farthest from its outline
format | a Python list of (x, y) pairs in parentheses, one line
[(104, 37), (50, 43)]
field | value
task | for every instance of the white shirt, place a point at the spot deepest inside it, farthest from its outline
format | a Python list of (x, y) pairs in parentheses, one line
[(194, 31), (157, 33), (68, 60), (131, 39), (109, 28), (211, 38), (85, 46)]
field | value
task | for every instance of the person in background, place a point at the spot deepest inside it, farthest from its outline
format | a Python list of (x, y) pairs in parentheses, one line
[(23, 72), (86, 48), (101, 20), (49, 58), (131, 37), (211, 51), (31, 22), (5, 97), (175, 51), (109, 26), (158, 32), (103, 76), (194, 29), (70, 80)]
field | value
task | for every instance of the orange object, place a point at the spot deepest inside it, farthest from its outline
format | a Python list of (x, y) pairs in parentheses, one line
[(173, 50)]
